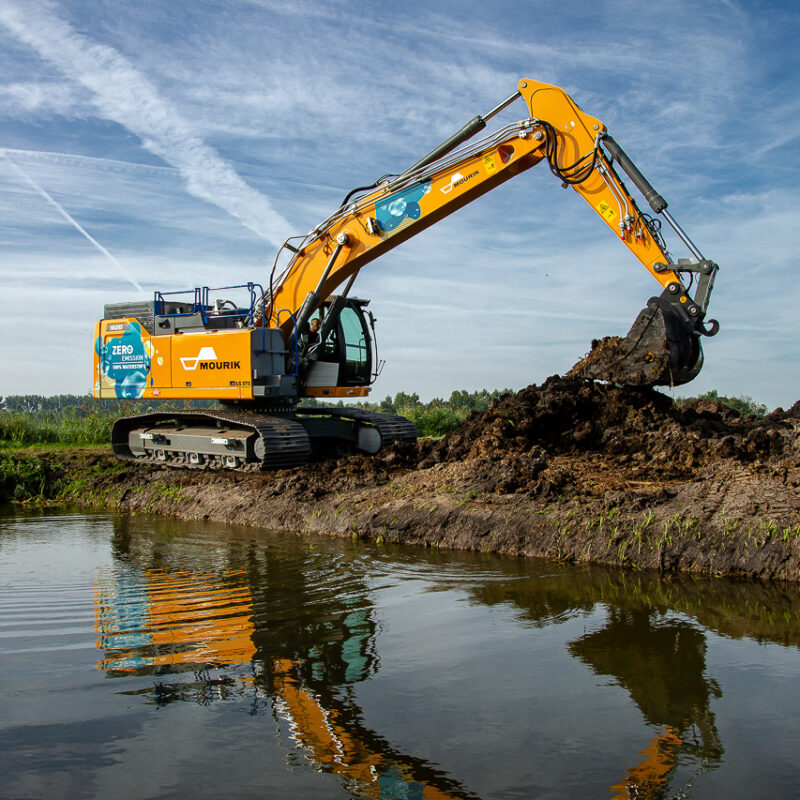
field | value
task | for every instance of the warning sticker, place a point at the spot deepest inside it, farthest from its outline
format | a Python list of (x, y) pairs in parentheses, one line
[(488, 163), (606, 211)]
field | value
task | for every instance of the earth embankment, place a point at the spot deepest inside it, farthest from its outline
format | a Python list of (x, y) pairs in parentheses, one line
[(568, 470)]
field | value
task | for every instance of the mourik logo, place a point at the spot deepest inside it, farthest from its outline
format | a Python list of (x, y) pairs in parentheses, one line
[(207, 359), (457, 179)]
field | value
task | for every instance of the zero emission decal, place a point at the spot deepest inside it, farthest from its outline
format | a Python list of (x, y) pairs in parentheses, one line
[(397, 208), (125, 361)]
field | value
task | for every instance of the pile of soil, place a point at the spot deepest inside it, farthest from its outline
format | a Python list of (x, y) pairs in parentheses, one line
[(601, 424)]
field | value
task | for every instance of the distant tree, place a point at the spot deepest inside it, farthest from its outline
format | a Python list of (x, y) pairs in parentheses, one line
[(82, 405), (403, 400), (387, 405), (744, 404)]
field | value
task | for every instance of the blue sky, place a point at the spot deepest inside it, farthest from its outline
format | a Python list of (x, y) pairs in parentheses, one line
[(161, 145)]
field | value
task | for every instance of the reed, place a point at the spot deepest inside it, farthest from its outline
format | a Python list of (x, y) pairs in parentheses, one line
[(18, 429)]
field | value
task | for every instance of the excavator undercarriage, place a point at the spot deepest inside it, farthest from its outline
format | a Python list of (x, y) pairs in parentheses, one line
[(250, 441)]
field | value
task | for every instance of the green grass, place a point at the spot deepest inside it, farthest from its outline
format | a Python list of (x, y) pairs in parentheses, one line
[(18, 429), (24, 478), (434, 421)]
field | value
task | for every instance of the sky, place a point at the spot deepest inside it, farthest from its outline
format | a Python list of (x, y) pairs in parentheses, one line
[(160, 146)]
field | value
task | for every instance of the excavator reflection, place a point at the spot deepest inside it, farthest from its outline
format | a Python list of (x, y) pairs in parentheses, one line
[(646, 779), (661, 664), (657, 657), (296, 632), (267, 633), (151, 620)]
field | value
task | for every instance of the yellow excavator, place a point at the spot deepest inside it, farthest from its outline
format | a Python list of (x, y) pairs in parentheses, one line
[(304, 335)]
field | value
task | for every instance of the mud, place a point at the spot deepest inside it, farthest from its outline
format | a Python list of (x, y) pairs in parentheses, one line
[(570, 470)]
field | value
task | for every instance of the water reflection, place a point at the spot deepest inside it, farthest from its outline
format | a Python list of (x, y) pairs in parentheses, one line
[(653, 644), (294, 629), (661, 663), (297, 629), (149, 620)]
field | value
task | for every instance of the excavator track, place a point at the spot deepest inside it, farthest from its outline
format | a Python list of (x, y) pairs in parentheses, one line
[(254, 441), (391, 427), (251, 441)]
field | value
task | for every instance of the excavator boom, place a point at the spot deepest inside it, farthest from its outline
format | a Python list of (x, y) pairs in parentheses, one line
[(663, 345)]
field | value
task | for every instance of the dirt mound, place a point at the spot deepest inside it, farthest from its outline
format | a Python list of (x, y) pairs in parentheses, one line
[(622, 426)]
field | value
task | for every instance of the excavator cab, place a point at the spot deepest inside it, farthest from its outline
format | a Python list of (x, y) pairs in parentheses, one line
[(342, 353)]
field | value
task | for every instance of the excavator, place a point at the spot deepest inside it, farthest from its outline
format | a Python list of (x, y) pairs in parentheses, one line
[(304, 335)]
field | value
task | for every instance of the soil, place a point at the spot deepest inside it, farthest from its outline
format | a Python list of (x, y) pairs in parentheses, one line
[(570, 470)]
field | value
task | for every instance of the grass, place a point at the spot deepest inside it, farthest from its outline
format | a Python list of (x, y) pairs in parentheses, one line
[(24, 479), (18, 429), (34, 476), (433, 421), (76, 428)]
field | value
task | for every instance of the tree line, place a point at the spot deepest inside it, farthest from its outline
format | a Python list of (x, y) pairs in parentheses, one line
[(82, 405)]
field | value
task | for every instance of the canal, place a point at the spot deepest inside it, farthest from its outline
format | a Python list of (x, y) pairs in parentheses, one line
[(149, 658)]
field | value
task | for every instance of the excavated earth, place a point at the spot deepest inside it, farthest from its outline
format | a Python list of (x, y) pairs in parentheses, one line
[(569, 470)]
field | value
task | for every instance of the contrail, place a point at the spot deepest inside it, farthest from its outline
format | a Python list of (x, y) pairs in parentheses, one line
[(61, 210), (120, 92)]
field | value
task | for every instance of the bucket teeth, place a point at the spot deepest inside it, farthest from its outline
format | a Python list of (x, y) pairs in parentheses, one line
[(662, 348)]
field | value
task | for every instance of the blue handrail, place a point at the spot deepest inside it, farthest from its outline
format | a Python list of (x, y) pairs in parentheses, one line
[(201, 302), (158, 303)]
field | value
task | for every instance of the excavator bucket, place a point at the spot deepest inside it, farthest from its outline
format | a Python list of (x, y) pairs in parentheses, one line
[(662, 348)]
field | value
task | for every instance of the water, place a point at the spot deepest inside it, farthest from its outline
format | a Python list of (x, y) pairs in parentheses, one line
[(143, 658)]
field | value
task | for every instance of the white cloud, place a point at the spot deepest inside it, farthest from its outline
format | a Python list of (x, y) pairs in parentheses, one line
[(122, 93), (51, 97)]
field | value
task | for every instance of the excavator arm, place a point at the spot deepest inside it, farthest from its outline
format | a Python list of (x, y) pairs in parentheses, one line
[(662, 346)]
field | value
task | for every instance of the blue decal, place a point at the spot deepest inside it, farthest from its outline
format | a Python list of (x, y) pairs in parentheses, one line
[(393, 786), (404, 205), (125, 361)]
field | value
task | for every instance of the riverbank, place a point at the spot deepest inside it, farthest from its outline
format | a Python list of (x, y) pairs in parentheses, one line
[(570, 470)]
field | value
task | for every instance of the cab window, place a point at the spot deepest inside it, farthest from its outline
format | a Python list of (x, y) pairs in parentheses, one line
[(356, 367)]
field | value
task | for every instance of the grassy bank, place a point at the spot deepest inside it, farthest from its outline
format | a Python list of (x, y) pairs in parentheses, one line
[(19, 429), (28, 478), (66, 475)]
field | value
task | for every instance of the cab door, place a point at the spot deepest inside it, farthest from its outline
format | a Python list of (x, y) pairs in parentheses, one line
[(355, 348)]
